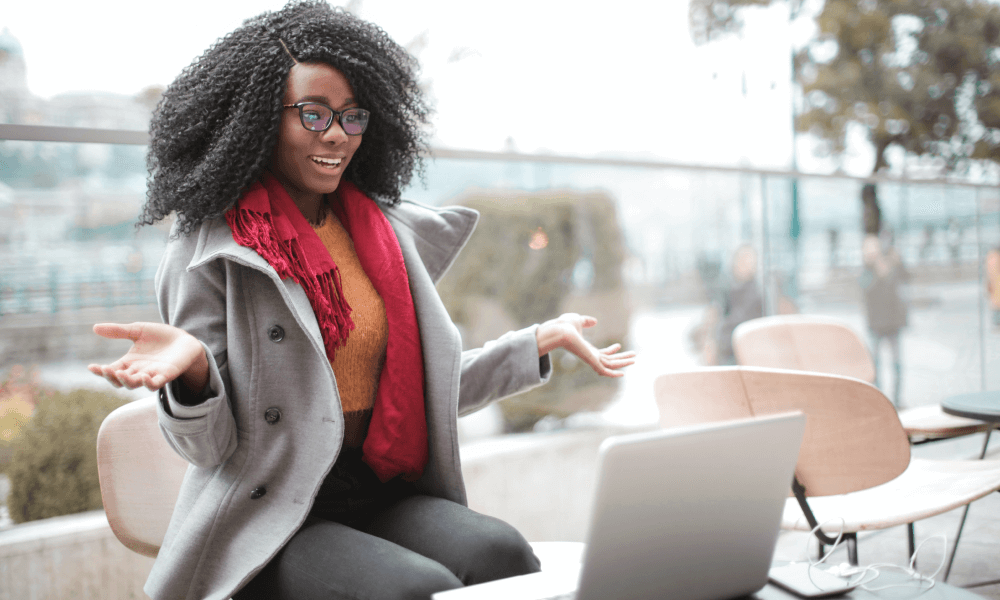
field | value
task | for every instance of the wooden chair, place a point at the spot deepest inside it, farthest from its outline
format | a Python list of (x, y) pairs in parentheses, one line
[(825, 345), (140, 476), (854, 464)]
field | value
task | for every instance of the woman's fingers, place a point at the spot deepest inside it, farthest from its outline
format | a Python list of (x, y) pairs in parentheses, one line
[(130, 379), (108, 372), (116, 331), (617, 364), (156, 382), (624, 358), (118, 375), (609, 371)]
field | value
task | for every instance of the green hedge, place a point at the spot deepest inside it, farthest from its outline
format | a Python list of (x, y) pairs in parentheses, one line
[(53, 461), (506, 279)]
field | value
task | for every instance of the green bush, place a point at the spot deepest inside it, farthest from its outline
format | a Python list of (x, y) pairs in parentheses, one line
[(53, 466), (518, 269)]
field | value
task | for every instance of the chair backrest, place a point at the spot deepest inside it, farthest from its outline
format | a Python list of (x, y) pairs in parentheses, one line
[(140, 475), (853, 439), (803, 343)]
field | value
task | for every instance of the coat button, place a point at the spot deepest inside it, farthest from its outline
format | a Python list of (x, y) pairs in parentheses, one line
[(272, 415), (258, 492), (276, 333)]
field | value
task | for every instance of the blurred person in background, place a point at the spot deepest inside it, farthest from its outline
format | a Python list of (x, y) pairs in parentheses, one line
[(953, 236), (882, 280), (306, 366), (833, 236), (741, 302), (927, 245)]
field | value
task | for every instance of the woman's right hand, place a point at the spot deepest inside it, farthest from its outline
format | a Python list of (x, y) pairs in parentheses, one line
[(159, 354)]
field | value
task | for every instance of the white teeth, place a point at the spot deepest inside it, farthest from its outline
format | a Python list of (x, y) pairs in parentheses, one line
[(329, 162)]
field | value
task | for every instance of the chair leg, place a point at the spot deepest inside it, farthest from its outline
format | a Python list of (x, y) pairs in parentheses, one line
[(986, 442), (965, 512), (954, 546), (911, 543), (852, 548), (822, 538)]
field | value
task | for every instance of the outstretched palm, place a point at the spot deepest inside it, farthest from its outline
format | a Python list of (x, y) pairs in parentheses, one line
[(566, 331), (159, 354)]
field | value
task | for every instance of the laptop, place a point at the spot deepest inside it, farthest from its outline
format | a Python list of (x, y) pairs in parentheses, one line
[(689, 513)]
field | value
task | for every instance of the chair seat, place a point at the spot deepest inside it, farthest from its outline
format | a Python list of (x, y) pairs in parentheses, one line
[(927, 488), (925, 423), (140, 476)]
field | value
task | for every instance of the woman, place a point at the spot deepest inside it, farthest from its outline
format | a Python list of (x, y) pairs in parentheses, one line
[(306, 367), (742, 301), (882, 280)]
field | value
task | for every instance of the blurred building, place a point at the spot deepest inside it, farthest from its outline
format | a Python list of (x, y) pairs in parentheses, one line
[(74, 109), (14, 96)]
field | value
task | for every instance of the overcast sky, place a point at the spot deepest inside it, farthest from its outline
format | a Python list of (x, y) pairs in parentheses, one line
[(555, 76)]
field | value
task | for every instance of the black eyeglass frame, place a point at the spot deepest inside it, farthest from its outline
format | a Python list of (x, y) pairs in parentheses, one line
[(336, 116)]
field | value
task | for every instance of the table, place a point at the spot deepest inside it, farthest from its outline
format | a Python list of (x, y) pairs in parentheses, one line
[(940, 591), (517, 590), (984, 406), (561, 556), (887, 577)]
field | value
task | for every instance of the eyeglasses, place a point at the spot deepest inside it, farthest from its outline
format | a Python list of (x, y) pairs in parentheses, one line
[(316, 116)]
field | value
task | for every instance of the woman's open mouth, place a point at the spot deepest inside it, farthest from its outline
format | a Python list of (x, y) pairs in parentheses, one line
[(327, 163)]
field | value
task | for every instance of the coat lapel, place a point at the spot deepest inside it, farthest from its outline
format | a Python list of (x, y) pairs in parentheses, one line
[(217, 241)]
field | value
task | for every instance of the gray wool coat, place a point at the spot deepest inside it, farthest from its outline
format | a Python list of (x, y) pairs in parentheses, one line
[(272, 426)]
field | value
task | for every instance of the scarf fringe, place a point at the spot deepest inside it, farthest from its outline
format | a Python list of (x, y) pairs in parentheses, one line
[(253, 230)]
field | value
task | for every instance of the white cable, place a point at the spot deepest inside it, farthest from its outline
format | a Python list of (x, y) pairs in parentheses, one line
[(910, 570), (846, 571), (833, 547), (836, 542)]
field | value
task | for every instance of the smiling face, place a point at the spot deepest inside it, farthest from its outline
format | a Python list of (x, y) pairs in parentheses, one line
[(310, 164)]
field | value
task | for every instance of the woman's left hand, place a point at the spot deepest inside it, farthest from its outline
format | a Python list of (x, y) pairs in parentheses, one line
[(566, 331)]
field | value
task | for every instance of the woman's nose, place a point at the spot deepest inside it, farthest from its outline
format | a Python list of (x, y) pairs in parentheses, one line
[(335, 134)]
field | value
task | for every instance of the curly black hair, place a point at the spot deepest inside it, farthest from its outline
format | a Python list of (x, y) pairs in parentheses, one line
[(215, 128)]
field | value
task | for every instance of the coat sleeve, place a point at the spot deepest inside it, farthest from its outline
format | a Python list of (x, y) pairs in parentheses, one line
[(203, 434), (504, 367)]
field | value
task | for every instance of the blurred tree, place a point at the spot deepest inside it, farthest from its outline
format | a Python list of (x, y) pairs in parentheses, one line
[(53, 469), (915, 74)]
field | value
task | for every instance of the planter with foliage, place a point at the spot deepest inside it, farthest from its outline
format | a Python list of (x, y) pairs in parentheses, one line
[(535, 255)]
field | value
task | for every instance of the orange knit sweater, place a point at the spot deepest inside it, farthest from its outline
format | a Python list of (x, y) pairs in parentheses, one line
[(358, 363)]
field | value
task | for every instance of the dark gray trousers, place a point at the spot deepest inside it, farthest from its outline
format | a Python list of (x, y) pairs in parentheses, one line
[(410, 549)]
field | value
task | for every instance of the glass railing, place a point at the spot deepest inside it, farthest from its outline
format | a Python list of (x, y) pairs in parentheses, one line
[(647, 246)]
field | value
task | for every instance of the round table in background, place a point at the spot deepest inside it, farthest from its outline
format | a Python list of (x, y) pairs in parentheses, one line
[(984, 406)]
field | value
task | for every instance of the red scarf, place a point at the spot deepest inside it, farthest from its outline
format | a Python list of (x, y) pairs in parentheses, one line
[(267, 221)]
